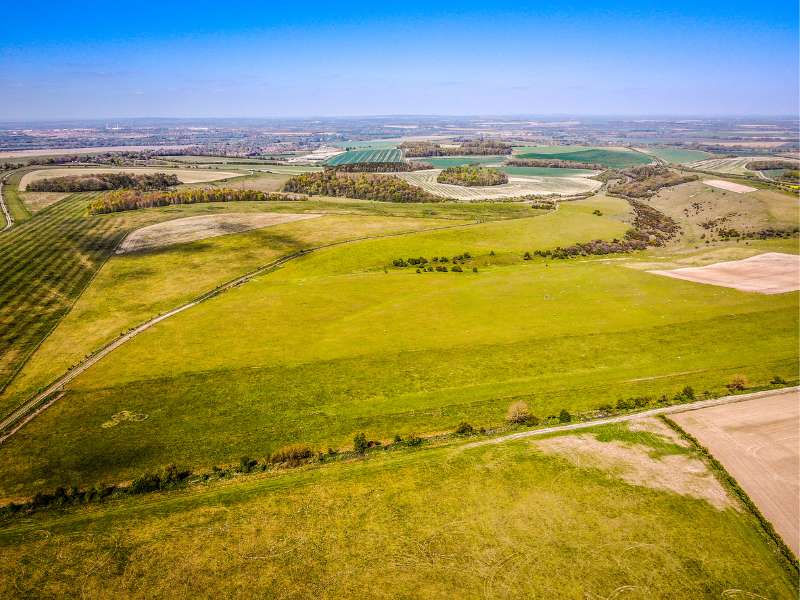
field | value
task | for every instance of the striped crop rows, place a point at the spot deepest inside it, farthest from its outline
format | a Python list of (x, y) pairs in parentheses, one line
[(45, 263)]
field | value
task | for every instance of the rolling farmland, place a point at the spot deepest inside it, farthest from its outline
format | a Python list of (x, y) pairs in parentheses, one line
[(386, 155), (516, 186), (730, 166)]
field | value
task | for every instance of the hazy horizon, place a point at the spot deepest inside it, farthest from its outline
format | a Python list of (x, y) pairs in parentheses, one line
[(196, 61)]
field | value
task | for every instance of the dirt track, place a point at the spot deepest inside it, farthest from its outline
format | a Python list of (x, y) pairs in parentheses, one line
[(758, 442)]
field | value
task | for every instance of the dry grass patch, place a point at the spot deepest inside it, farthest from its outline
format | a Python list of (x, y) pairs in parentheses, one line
[(36, 201), (184, 175), (679, 473), (191, 229)]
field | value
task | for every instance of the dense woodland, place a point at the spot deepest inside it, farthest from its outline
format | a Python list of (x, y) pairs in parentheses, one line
[(553, 163), (472, 176), (472, 148), (385, 188), (121, 200), (374, 167), (104, 181), (645, 180)]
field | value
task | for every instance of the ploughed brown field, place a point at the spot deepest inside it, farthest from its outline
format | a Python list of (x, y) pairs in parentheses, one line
[(768, 273), (758, 442)]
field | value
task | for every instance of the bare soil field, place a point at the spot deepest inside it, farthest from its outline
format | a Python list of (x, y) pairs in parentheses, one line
[(758, 442), (36, 201), (185, 175), (768, 273), (191, 229), (679, 473), (91, 150), (516, 186), (729, 185)]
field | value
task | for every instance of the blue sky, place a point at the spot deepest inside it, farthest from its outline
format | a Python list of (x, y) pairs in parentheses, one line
[(236, 59)]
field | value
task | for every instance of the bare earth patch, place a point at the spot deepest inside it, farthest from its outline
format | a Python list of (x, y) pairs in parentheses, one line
[(36, 201), (191, 229), (657, 426), (632, 463), (729, 185), (758, 442), (769, 273), (184, 175)]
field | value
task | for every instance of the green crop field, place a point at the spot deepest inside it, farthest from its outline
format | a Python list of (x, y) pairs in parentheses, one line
[(387, 155), (370, 144), (544, 171), (443, 162), (499, 521), (677, 155), (611, 158)]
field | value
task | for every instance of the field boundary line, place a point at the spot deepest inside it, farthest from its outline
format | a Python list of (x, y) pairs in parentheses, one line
[(6, 213), (737, 490), (31, 405), (653, 412)]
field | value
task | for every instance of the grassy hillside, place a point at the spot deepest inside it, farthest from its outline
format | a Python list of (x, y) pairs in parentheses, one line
[(503, 521), (391, 351)]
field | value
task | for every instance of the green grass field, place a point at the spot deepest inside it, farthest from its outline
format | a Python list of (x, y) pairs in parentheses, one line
[(677, 155), (504, 521), (611, 158), (398, 352), (443, 162), (544, 171), (386, 155), (13, 199)]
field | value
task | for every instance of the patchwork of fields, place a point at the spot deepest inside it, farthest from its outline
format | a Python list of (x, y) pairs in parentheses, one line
[(516, 186)]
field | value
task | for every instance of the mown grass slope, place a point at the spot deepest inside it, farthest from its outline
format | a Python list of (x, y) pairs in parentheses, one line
[(500, 521)]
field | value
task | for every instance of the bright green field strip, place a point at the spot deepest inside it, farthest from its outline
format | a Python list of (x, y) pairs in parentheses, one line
[(388, 155), (613, 159), (133, 288), (396, 352), (677, 155), (496, 521), (13, 200), (544, 171), (443, 162)]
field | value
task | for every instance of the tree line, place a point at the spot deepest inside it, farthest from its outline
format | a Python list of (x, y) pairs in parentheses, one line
[(121, 200), (474, 147), (363, 186), (553, 163), (97, 182), (382, 167)]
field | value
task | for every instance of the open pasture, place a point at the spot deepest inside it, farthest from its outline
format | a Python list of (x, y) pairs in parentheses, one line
[(387, 155), (447, 522), (676, 155), (516, 186), (184, 175), (374, 360), (443, 162), (758, 443)]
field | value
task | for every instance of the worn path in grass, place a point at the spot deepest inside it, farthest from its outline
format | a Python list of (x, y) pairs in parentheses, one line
[(677, 408), (7, 215), (24, 414)]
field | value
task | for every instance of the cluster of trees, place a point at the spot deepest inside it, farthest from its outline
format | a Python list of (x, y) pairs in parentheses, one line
[(104, 181), (372, 167), (436, 263), (596, 247), (121, 200), (768, 165), (468, 148), (384, 188), (554, 163), (472, 176), (763, 234), (645, 180)]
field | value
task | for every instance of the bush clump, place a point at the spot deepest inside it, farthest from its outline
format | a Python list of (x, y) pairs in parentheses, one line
[(518, 413), (465, 428), (293, 454), (738, 383), (472, 176)]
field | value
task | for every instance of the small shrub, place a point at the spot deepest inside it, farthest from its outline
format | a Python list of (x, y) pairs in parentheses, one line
[(605, 407), (778, 380), (518, 413), (360, 443), (398, 438), (465, 428), (413, 440), (474, 269), (564, 416), (246, 464), (738, 383), (527, 256), (293, 454)]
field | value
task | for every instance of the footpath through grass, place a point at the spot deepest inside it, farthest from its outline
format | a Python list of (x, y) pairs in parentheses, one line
[(501, 521)]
